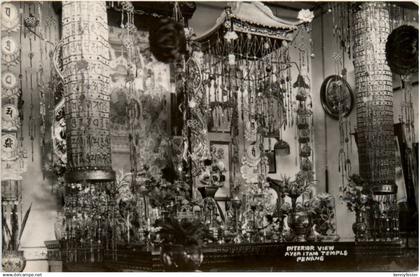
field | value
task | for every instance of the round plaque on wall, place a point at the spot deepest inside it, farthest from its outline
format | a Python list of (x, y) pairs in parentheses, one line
[(9, 50), (9, 17), (336, 96), (9, 145)]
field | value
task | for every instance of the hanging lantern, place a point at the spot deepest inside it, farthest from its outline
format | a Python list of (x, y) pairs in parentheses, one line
[(305, 151), (31, 21), (303, 122), (167, 40), (306, 165), (232, 59), (402, 50), (304, 135), (282, 148)]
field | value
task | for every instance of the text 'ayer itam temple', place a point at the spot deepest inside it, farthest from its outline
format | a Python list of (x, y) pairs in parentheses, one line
[(209, 136)]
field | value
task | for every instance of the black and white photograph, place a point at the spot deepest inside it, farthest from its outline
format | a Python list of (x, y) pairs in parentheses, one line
[(209, 136)]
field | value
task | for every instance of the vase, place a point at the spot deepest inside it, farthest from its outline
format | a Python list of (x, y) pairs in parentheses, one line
[(286, 233), (178, 257), (13, 261), (301, 225), (359, 227), (236, 205)]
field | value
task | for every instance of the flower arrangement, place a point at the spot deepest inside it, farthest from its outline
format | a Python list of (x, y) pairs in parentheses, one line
[(161, 192), (187, 232), (323, 213), (181, 241), (354, 193), (305, 16), (303, 181), (213, 174), (128, 219)]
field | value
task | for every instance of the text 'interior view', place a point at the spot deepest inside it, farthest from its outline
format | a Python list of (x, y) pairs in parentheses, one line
[(209, 136)]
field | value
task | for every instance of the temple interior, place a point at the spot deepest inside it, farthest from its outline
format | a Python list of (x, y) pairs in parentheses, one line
[(209, 136)]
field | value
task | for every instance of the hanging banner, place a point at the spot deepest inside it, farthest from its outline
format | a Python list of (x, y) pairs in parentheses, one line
[(9, 147), (13, 170), (9, 84), (9, 51), (10, 118)]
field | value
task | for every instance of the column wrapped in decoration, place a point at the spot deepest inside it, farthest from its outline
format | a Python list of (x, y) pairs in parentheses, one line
[(85, 56), (375, 123), (90, 190)]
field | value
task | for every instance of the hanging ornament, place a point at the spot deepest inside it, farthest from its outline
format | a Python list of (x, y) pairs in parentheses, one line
[(282, 148), (31, 21), (167, 40), (251, 130), (300, 82), (230, 36), (305, 15), (231, 59), (402, 50)]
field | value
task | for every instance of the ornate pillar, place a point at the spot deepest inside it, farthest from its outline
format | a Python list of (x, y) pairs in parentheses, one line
[(85, 61), (374, 99), (375, 121), (89, 194)]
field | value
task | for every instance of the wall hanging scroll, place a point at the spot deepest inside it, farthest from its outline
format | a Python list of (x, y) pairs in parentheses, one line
[(336, 96)]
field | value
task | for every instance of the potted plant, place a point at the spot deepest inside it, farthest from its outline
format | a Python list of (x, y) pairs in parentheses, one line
[(12, 258), (181, 242)]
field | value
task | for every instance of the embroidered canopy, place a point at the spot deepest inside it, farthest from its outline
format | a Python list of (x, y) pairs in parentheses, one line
[(253, 18)]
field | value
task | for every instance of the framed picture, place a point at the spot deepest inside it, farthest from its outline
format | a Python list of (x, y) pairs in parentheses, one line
[(271, 155), (224, 149)]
